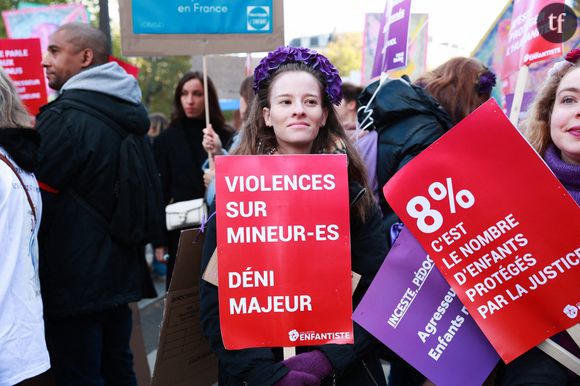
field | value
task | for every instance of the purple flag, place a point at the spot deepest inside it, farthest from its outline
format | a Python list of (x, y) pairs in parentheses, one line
[(391, 52), (412, 310)]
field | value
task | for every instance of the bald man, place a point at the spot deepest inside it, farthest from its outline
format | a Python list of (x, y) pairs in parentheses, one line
[(87, 276)]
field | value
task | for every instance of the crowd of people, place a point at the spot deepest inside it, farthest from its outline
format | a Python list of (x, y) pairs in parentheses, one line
[(67, 275)]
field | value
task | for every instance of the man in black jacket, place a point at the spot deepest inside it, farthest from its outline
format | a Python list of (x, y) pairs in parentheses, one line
[(87, 277)]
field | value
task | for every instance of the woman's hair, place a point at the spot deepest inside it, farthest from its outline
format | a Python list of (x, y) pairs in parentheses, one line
[(12, 111), (257, 138), (158, 122), (246, 90), (455, 85), (216, 116), (350, 92), (537, 125)]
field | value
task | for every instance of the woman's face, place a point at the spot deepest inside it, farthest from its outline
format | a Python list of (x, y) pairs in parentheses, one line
[(192, 99), (295, 112), (243, 106), (565, 119)]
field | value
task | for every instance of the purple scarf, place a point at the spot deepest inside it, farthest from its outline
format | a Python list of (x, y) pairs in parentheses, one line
[(568, 174)]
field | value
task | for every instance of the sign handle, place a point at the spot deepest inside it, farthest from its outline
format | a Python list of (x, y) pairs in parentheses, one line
[(289, 352), (206, 101), (519, 94), (561, 355), (574, 332)]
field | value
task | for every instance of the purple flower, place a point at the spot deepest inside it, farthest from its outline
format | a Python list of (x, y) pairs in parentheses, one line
[(311, 58), (486, 82)]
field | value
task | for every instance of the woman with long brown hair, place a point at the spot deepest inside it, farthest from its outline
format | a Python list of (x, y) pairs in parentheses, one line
[(293, 113), (179, 152)]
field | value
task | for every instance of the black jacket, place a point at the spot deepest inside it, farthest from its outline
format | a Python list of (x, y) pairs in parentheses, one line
[(180, 156), (407, 120), (82, 269), (356, 364)]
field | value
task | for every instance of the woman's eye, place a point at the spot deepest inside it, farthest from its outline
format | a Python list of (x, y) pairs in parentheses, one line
[(568, 99), (285, 101), (311, 102)]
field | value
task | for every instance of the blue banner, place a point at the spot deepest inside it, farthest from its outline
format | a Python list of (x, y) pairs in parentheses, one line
[(202, 16)]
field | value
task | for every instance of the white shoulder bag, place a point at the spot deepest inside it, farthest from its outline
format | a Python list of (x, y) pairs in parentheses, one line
[(185, 214)]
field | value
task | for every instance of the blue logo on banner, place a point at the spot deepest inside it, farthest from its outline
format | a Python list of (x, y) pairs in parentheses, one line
[(202, 17), (258, 18)]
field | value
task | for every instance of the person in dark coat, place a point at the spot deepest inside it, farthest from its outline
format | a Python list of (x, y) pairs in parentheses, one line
[(87, 277), (292, 113), (409, 118), (179, 152)]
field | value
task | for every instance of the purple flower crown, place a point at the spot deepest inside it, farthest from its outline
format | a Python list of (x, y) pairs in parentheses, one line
[(311, 58), (486, 82)]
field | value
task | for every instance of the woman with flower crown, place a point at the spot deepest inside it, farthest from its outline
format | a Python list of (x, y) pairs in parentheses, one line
[(408, 118), (292, 113), (553, 129)]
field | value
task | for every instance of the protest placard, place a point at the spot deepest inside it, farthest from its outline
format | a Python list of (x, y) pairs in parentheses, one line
[(392, 44), (184, 356), (41, 22), (422, 319), (283, 237), (178, 27), (500, 227), (20, 59), (525, 43)]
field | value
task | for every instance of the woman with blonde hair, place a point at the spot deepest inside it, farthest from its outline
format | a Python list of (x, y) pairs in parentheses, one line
[(23, 354)]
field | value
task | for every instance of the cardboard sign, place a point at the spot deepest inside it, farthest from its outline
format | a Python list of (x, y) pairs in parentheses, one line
[(422, 319), (525, 44), (21, 61), (184, 356), (500, 227), (283, 238), (177, 27)]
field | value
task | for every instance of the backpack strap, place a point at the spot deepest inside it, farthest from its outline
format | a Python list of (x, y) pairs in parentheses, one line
[(11, 166)]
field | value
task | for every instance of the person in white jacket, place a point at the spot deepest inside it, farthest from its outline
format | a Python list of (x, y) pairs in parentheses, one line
[(23, 352)]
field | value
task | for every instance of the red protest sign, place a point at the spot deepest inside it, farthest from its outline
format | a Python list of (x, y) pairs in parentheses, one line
[(21, 60), (525, 43), (283, 240), (128, 67), (500, 227)]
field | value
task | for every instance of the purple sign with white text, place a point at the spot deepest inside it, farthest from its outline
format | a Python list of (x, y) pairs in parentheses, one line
[(422, 320), (391, 52)]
